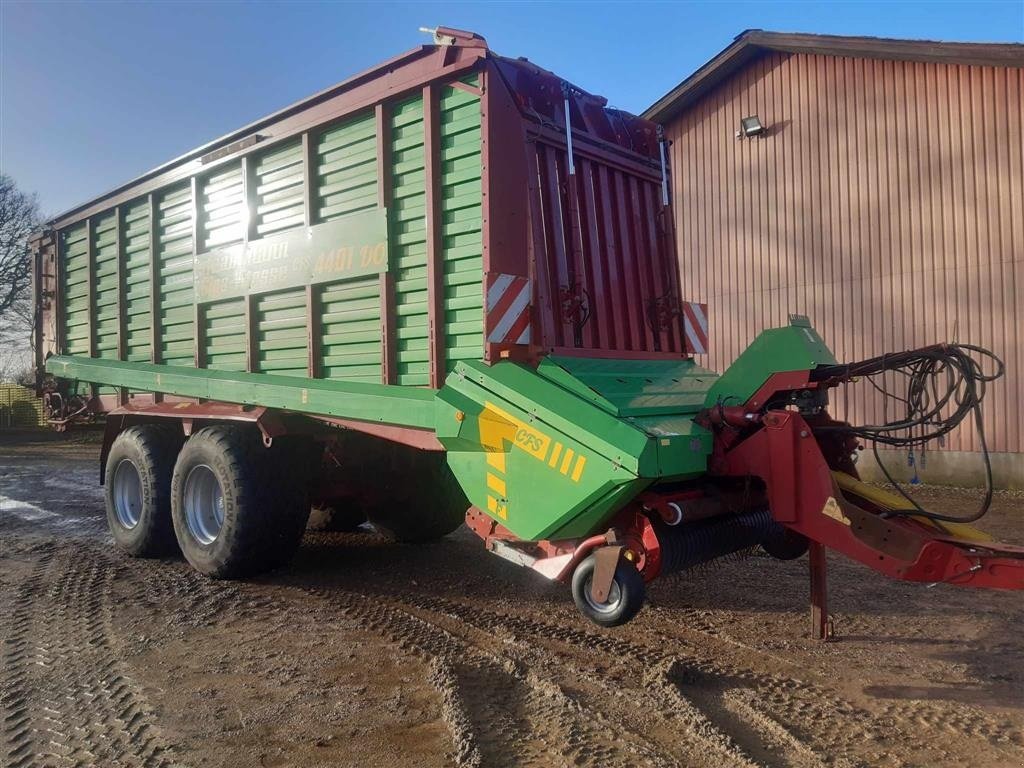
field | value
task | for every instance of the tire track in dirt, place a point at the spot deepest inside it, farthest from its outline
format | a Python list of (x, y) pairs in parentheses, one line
[(734, 735), (494, 706), (67, 700), (19, 730), (802, 728)]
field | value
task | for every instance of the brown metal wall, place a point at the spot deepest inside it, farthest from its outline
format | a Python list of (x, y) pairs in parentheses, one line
[(887, 203)]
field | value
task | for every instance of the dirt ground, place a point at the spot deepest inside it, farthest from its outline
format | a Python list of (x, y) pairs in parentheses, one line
[(374, 654)]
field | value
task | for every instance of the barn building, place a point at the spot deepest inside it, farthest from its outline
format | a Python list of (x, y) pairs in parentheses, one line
[(876, 186)]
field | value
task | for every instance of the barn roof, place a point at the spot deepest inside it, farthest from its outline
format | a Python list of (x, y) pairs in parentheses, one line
[(755, 43)]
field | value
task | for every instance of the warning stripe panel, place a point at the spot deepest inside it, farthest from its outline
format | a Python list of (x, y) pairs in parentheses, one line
[(508, 309), (695, 327)]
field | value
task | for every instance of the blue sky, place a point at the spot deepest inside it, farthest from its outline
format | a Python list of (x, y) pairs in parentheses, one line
[(93, 94)]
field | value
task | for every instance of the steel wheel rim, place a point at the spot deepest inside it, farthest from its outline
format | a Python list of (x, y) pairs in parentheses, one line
[(126, 491), (610, 605), (204, 504)]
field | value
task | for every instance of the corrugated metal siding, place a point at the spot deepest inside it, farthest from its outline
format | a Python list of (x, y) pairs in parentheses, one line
[(351, 336), (461, 224), (279, 189), (887, 203), (408, 241), (222, 208), (281, 333), (174, 261), (224, 331), (75, 289), (139, 321)]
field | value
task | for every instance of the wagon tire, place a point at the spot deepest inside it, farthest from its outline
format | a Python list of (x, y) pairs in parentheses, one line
[(336, 516), (137, 490), (237, 509), (423, 503), (625, 599), (786, 545)]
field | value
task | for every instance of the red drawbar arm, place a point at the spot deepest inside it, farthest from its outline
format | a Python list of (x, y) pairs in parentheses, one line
[(804, 496)]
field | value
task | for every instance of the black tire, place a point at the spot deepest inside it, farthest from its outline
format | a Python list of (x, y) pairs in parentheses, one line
[(625, 599), (786, 545), (336, 516), (137, 490), (262, 508), (292, 461), (423, 500)]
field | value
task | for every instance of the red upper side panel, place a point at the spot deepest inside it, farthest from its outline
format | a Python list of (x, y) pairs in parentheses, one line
[(595, 240)]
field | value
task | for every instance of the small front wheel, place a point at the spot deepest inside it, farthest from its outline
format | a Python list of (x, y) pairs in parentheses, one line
[(625, 598)]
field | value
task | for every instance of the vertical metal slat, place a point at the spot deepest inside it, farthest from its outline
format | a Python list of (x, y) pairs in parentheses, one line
[(435, 288)]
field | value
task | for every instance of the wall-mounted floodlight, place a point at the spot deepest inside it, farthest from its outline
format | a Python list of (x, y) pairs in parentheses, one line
[(751, 127)]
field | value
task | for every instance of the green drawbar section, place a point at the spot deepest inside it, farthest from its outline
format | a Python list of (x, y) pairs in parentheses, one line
[(222, 202), (279, 190), (407, 232), (75, 288), (281, 333), (135, 246), (104, 245), (224, 335), (461, 224), (351, 335), (346, 170), (174, 260)]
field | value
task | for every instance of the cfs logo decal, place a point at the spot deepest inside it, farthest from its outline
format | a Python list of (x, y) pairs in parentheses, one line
[(498, 427), (529, 441)]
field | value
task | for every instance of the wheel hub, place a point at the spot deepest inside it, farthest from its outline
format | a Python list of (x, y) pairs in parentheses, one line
[(127, 494), (204, 504)]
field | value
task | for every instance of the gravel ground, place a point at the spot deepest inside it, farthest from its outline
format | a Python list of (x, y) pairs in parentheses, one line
[(374, 654)]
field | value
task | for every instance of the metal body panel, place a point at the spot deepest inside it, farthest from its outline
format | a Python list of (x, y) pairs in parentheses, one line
[(460, 158)]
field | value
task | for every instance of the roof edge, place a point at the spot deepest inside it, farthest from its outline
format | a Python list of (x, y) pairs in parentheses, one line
[(754, 43)]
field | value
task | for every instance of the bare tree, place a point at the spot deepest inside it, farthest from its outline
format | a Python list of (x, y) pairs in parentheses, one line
[(19, 217)]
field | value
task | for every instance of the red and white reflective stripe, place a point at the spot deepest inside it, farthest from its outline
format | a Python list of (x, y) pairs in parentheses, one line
[(508, 309), (695, 327)]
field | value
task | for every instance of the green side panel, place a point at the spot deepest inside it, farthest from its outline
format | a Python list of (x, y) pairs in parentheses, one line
[(350, 343), (174, 262), (222, 206), (386, 404), (633, 387), (408, 242), (795, 347), (279, 189), (461, 224), (105, 298), (136, 249), (224, 330), (346, 168), (281, 333), (104, 244), (75, 289)]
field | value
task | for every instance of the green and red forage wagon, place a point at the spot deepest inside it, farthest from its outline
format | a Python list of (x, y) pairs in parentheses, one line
[(445, 291)]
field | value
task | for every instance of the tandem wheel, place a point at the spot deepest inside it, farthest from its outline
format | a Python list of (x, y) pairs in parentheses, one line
[(625, 597)]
